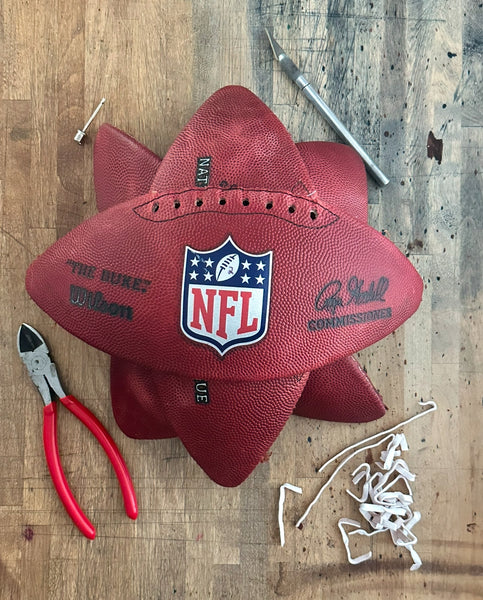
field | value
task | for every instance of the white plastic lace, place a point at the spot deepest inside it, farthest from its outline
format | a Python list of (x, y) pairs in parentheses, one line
[(281, 501), (388, 510)]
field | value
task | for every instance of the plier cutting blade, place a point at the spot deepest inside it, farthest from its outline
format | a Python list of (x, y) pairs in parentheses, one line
[(35, 354)]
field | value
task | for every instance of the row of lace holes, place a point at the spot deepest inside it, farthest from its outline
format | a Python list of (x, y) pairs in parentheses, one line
[(268, 206), (176, 204), (292, 209), (245, 202)]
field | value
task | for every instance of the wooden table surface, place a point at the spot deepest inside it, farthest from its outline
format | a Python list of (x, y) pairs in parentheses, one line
[(394, 71)]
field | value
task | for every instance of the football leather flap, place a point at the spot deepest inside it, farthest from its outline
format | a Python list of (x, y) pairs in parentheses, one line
[(123, 168), (230, 266), (233, 141), (226, 427)]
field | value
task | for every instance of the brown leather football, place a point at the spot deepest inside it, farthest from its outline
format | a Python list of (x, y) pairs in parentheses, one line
[(235, 275), (339, 391)]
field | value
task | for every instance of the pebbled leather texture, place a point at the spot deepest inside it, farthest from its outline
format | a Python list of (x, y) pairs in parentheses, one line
[(346, 394), (123, 167), (337, 285), (339, 391), (228, 444)]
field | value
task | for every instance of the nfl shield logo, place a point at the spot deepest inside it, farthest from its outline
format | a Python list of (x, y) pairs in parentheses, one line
[(225, 296)]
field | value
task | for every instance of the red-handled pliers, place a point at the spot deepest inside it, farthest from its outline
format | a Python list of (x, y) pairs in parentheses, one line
[(35, 354)]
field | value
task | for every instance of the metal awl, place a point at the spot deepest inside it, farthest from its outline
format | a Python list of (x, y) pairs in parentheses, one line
[(309, 92)]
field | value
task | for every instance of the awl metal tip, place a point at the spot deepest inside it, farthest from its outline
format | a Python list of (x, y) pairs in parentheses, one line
[(276, 48)]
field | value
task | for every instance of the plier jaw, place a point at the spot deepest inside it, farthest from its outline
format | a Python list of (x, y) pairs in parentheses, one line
[(35, 354)]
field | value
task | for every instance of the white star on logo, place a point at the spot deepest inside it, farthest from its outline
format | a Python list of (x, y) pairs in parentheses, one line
[(193, 274), (260, 266), (194, 262), (208, 276), (246, 264), (260, 279), (208, 262), (245, 278)]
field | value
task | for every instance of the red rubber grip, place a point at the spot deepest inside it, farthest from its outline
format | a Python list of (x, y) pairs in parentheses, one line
[(110, 448), (57, 473)]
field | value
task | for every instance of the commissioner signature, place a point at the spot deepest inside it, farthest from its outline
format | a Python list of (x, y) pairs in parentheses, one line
[(336, 295)]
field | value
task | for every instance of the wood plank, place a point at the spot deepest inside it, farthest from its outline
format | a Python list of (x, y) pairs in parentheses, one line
[(393, 71)]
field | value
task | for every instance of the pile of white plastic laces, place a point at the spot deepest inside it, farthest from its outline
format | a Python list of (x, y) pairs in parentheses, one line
[(382, 503), (384, 507)]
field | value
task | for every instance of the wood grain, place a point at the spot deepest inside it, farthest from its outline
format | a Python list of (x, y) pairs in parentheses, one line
[(393, 71)]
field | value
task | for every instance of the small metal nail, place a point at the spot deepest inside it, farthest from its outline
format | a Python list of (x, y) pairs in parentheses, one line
[(81, 133)]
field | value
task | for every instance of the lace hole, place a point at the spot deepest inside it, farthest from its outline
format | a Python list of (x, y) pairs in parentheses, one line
[(268, 205), (313, 215), (199, 202), (177, 204), (246, 202), (155, 207), (291, 209), (222, 201)]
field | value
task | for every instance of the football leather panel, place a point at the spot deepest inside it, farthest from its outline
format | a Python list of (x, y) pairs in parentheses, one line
[(136, 402), (227, 428), (234, 141), (340, 392), (123, 168), (333, 291), (339, 176)]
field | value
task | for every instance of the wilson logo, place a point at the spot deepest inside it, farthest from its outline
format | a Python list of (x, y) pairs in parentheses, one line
[(83, 298)]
